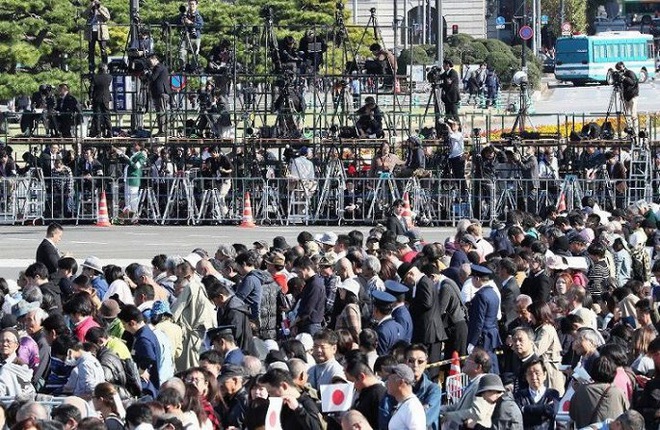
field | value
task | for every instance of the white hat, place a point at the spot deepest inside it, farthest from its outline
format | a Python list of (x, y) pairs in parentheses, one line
[(351, 285), (555, 262), (271, 344), (327, 238), (93, 263), (307, 341), (637, 238), (193, 258)]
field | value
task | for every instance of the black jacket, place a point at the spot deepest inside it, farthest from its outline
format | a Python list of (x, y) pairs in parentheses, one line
[(160, 81), (236, 313), (234, 410), (630, 85), (510, 292), (450, 87), (425, 311), (48, 255), (395, 225), (306, 417), (100, 89), (538, 287)]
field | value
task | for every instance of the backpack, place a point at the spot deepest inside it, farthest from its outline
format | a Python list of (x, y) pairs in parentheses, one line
[(133, 380), (267, 324), (640, 263)]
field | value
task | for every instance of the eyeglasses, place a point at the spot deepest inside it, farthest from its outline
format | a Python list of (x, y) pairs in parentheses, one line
[(418, 361)]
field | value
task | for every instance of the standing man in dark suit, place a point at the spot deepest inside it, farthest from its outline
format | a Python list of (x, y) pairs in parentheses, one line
[(509, 291), (47, 252), (424, 300), (395, 222), (100, 95), (482, 322), (451, 93), (538, 285), (67, 111), (159, 88)]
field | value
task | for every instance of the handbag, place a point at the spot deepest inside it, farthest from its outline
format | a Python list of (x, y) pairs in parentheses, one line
[(602, 396)]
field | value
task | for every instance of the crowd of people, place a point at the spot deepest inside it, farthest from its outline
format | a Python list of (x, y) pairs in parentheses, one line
[(542, 311)]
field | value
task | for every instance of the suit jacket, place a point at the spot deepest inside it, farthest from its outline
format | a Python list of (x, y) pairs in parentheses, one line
[(451, 92), (67, 104), (389, 333), (509, 292), (396, 225), (538, 287), (160, 81), (425, 311), (101, 88), (48, 255), (82, 167)]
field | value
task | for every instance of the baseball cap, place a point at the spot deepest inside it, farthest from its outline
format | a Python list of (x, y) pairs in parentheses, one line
[(402, 371)]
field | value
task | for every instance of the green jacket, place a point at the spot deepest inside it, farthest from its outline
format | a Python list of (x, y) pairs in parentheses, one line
[(134, 171)]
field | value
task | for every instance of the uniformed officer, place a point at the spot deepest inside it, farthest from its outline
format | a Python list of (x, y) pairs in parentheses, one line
[(482, 321), (223, 341), (389, 331), (232, 387), (400, 314)]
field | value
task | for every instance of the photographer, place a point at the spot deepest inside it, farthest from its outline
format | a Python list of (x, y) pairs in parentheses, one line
[(221, 62), (191, 32), (159, 89), (451, 93), (312, 48), (213, 112), (41, 102), (630, 89), (68, 111), (370, 120), (288, 53), (97, 31), (384, 63), (415, 159), (529, 170), (100, 97)]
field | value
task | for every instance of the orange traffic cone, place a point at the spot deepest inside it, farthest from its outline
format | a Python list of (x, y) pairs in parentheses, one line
[(454, 385), (407, 213), (102, 219), (247, 220)]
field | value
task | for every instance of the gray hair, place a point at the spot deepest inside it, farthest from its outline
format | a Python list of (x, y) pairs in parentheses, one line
[(39, 314), (145, 271), (372, 263), (173, 261), (227, 250), (524, 299), (32, 410), (252, 365), (591, 336)]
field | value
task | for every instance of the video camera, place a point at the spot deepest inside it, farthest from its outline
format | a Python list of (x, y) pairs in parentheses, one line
[(434, 74), (615, 78)]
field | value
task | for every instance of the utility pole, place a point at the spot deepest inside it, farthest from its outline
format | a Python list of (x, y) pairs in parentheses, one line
[(523, 60), (440, 49)]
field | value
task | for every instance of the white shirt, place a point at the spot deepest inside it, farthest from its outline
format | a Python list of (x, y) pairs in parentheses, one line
[(456, 144), (408, 415), (121, 288), (537, 395)]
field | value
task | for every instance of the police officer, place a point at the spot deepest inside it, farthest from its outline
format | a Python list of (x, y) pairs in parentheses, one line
[(401, 314), (389, 331), (223, 341), (482, 321)]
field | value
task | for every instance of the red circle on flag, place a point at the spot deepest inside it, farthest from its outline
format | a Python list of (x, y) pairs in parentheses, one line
[(338, 397), (272, 419), (567, 405)]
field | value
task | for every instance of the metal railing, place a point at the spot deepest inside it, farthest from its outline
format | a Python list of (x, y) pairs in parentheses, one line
[(192, 199)]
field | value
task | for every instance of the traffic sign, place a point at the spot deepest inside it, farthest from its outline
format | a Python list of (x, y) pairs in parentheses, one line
[(526, 32), (500, 20), (544, 19)]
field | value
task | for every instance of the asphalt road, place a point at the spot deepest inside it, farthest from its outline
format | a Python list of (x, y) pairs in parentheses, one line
[(123, 245)]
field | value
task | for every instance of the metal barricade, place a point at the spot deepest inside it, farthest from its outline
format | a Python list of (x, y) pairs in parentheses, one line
[(7, 200), (30, 196)]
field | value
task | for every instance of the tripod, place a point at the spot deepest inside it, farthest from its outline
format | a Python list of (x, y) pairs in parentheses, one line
[(334, 173), (185, 46), (617, 106), (384, 194), (437, 110), (522, 117)]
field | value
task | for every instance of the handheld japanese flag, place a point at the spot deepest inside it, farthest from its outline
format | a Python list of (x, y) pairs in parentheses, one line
[(336, 397), (565, 402), (273, 414)]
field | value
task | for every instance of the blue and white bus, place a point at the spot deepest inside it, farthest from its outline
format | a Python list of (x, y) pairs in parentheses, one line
[(583, 59)]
